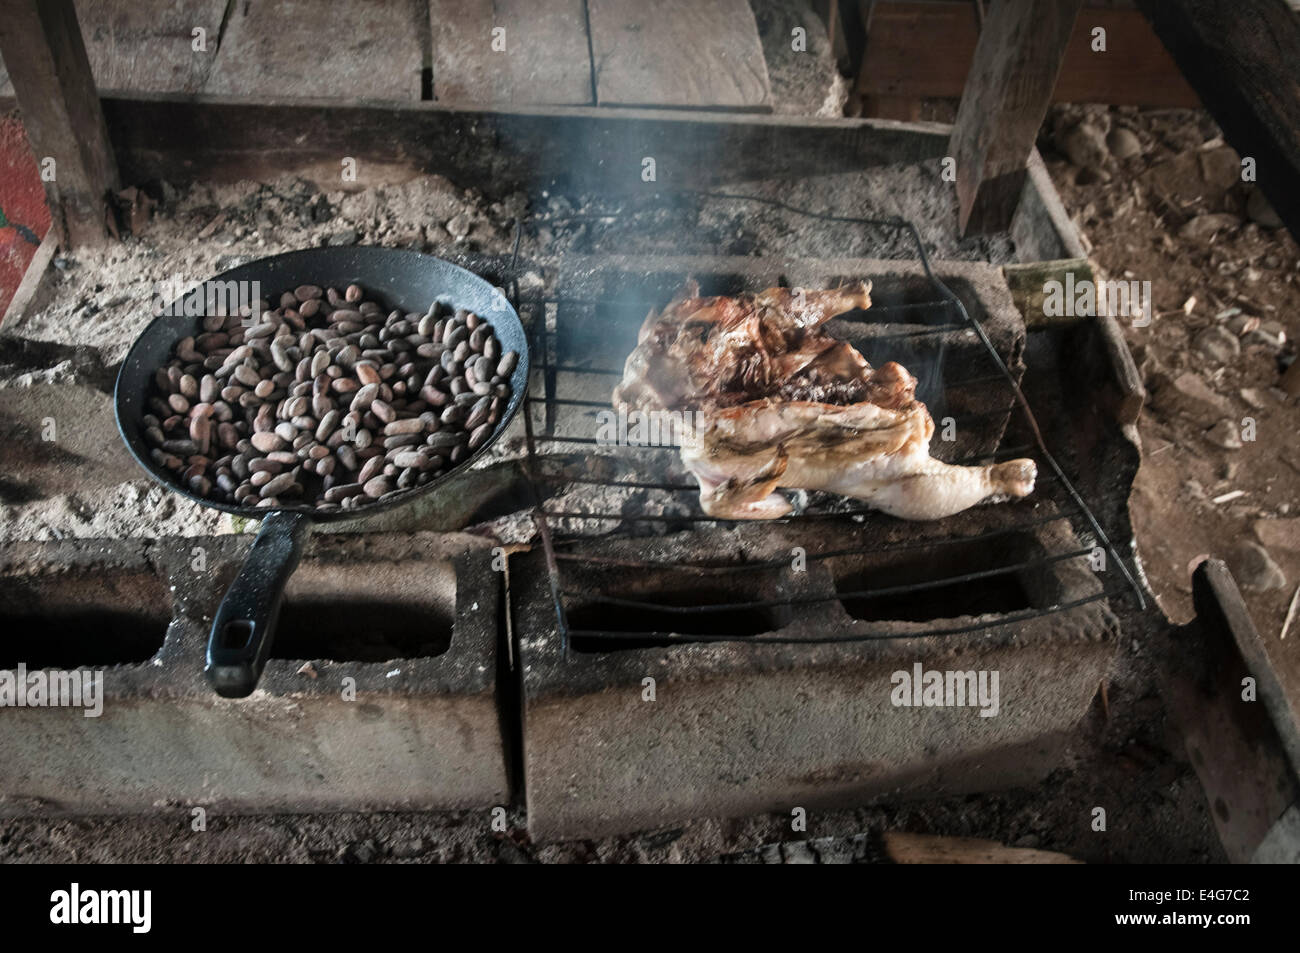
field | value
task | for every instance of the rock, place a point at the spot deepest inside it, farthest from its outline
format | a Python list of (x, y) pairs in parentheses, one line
[(405, 850), (1290, 381), (1260, 211), (361, 852), (1204, 227), (320, 210), (1123, 143), (348, 236), (1269, 334), (1188, 394), (1254, 396), (1220, 167), (1092, 175), (1218, 344), (1224, 434), (797, 852), (1194, 179), (1242, 324), (458, 226), (1253, 568), (1279, 533), (1084, 145)]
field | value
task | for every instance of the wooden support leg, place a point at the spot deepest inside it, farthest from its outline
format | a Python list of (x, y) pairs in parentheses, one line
[(1006, 96), (46, 59)]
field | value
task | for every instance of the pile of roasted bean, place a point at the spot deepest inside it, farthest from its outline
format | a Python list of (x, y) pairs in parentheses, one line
[(325, 402)]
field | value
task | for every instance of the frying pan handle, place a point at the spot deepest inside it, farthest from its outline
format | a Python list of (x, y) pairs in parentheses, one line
[(244, 626)]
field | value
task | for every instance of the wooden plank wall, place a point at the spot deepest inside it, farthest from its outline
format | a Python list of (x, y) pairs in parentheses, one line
[(678, 53), (674, 53), (343, 49), (545, 59), (147, 45)]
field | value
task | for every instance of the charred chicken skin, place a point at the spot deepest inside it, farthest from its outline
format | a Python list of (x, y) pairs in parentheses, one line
[(779, 403)]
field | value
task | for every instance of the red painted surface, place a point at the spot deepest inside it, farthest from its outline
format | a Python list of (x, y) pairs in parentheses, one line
[(26, 217)]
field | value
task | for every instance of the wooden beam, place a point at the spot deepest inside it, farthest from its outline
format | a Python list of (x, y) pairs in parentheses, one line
[(31, 280), (1243, 58), (580, 148), (1010, 85), (46, 59)]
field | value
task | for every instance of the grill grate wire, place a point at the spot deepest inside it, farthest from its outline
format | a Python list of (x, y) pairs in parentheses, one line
[(541, 478)]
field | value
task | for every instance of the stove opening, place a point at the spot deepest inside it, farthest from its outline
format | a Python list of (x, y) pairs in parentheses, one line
[(387, 611), (605, 617), (82, 618), (915, 588), (998, 594)]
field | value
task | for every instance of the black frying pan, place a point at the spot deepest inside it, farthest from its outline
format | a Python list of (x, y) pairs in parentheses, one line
[(244, 626)]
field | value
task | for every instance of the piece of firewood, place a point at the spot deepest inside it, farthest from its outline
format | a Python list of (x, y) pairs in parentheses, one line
[(906, 848)]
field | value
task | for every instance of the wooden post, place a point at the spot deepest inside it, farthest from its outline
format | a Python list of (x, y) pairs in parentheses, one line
[(1243, 59), (46, 59), (1006, 96)]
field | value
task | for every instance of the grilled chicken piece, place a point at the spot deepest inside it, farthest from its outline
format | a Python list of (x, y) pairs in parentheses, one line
[(781, 403), (742, 454), (725, 351)]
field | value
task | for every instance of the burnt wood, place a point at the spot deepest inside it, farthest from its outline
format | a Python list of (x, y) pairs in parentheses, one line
[(1243, 59), (1007, 93), (46, 58), (184, 139)]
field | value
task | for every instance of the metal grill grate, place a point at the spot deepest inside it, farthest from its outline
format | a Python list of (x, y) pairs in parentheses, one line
[(943, 311)]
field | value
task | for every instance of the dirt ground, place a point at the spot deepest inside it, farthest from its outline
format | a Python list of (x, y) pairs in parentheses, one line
[(1220, 468)]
